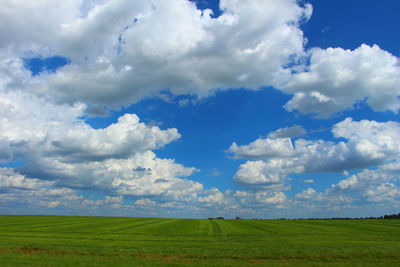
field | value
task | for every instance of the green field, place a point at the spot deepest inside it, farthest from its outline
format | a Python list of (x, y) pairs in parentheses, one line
[(105, 241)]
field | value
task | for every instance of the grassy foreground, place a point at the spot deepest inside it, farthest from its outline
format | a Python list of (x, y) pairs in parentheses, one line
[(105, 241)]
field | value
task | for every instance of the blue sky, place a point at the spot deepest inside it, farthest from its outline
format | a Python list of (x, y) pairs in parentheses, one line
[(160, 108)]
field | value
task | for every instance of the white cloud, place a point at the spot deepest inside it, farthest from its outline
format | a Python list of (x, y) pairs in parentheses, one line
[(120, 140), (18, 191), (57, 131), (113, 57), (59, 191), (215, 172), (278, 144), (383, 133), (369, 143), (55, 144), (27, 25), (53, 204), (288, 132), (11, 180), (145, 202), (371, 184), (119, 176), (337, 79), (261, 174), (383, 193), (213, 197), (276, 198), (114, 61), (263, 148), (116, 199), (306, 194), (373, 189), (249, 199)]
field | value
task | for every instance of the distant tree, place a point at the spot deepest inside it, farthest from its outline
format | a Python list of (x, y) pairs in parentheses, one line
[(237, 218), (220, 218), (392, 216)]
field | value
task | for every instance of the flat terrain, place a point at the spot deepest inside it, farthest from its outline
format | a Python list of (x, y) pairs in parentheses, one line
[(105, 241)]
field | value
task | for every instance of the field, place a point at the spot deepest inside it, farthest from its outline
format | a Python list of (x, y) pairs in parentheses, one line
[(105, 241)]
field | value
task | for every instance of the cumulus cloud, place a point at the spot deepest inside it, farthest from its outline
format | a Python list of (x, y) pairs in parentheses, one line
[(249, 199), (370, 182), (309, 193), (383, 193), (260, 174), (276, 198), (114, 61), (10, 180), (119, 140), (17, 190), (31, 125), (213, 197), (55, 144), (337, 79), (288, 132), (369, 143), (263, 148), (24, 26), (145, 202), (374, 189), (277, 144), (118, 176)]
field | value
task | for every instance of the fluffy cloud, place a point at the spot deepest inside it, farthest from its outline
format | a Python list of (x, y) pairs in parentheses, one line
[(213, 197), (55, 144), (249, 199), (10, 180), (371, 183), (263, 148), (115, 61), (278, 144), (375, 189), (289, 132), (17, 190), (24, 25), (262, 174), (383, 193), (336, 79), (30, 125), (369, 143), (118, 176), (120, 140), (309, 193)]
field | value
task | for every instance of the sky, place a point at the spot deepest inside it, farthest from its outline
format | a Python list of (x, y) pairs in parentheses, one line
[(197, 109)]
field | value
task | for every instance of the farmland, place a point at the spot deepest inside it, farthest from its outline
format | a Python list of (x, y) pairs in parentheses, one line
[(104, 241)]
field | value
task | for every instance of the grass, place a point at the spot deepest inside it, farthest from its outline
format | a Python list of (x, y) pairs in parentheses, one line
[(105, 241)]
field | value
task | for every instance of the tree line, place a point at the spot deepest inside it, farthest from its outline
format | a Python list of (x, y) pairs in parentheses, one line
[(391, 216)]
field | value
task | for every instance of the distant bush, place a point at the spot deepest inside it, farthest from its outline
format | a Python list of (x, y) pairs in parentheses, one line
[(392, 216)]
